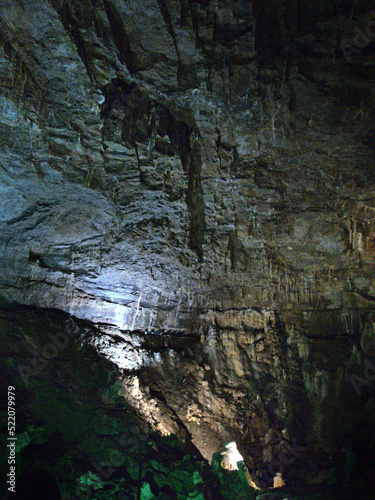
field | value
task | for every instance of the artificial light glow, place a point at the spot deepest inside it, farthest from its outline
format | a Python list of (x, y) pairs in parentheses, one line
[(230, 457)]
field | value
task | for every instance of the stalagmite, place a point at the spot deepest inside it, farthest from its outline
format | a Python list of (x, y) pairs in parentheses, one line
[(230, 457), (278, 481)]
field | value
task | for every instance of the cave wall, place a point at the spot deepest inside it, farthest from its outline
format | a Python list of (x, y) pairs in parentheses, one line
[(195, 180)]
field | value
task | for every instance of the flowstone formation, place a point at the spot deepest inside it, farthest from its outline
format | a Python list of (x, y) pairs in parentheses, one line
[(187, 194)]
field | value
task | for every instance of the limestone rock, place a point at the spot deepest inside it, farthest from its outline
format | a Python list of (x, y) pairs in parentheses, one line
[(194, 182)]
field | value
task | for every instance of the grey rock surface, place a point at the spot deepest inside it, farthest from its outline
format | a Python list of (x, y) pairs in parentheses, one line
[(196, 179)]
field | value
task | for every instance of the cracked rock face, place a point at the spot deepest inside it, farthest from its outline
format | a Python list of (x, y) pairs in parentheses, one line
[(195, 180)]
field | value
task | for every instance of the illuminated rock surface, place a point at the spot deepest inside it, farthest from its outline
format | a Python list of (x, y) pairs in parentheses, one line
[(187, 206)]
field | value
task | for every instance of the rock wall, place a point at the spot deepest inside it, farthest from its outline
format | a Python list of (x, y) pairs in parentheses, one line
[(195, 180)]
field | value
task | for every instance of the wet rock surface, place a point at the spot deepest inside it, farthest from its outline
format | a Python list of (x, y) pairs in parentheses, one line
[(193, 183)]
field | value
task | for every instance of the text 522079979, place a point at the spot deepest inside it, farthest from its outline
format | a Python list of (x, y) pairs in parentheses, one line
[(11, 411)]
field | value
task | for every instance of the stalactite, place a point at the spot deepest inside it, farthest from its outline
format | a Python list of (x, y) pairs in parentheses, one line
[(34, 269)]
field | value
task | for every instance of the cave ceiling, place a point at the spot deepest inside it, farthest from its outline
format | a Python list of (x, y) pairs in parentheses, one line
[(190, 188)]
